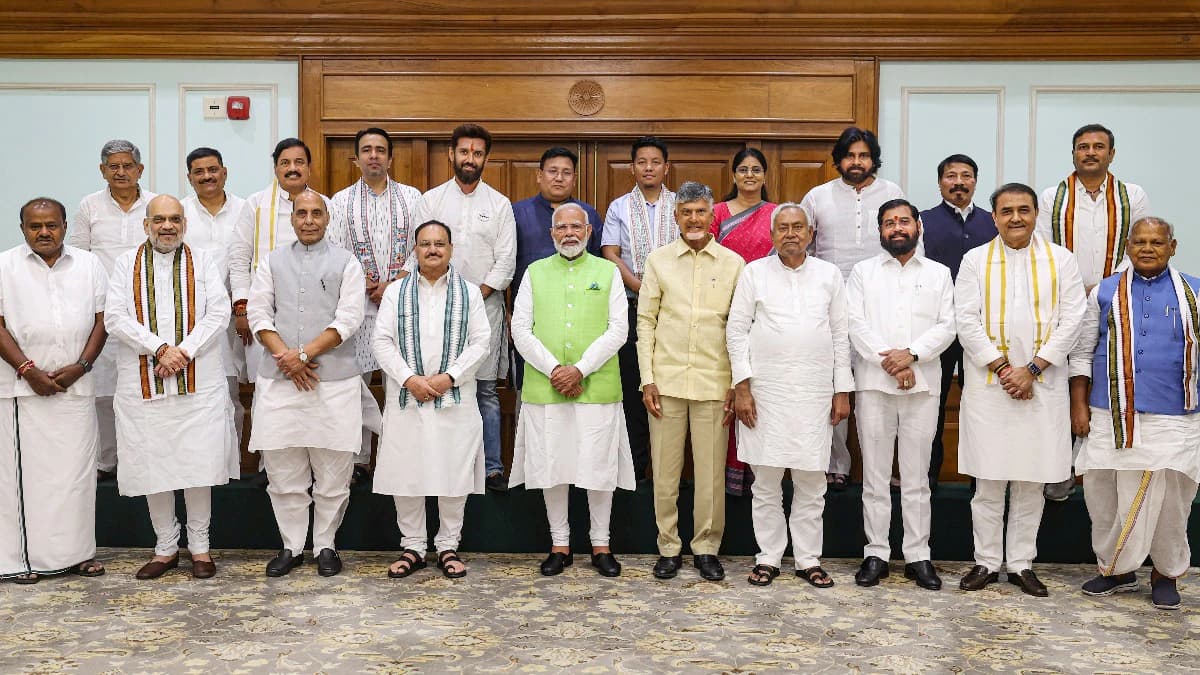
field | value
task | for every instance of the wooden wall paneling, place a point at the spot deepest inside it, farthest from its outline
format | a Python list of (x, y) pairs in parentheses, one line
[(311, 93), (798, 167), (340, 169)]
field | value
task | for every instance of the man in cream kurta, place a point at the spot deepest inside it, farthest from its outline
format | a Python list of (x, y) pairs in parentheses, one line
[(431, 337), (569, 320), (51, 331), (842, 214), (305, 306), (682, 308), (212, 215), (486, 255), (1090, 213), (901, 307), (108, 223), (790, 354), (1019, 302), (1141, 418), (167, 308), (375, 219)]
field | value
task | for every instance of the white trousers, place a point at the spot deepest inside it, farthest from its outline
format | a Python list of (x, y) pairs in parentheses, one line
[(599, 511), (239, 410), (107, 420), (410, 517), (198, 504), (1137, 514), (292, 472), (1016, 543), (839, 452), (372, 420), (903, 425), (806, 520)]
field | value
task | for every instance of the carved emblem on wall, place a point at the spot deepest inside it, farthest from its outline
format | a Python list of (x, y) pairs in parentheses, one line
[(586, 97)]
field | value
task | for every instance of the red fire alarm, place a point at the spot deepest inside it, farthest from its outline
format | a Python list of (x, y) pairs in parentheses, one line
[(238, 107)]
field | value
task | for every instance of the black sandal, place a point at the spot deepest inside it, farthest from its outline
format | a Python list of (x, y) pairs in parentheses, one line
[(27, 579), (89, 568), (816, 576), (451, 556), (762, 575), (415, 561)]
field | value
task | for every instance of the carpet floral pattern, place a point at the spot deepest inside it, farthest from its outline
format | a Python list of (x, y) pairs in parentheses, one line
[(505, 617)]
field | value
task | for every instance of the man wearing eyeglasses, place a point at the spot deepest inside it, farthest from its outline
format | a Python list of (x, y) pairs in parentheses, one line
[(556, 183), (108, 223)]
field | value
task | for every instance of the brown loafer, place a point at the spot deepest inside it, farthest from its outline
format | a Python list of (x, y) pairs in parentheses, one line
[(978, 579), (155, 569), (204, 569), (1029, 583)]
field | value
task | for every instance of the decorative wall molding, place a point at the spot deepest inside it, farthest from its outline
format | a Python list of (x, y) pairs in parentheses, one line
[(897, 29), (149, 152), (1036, 90), (905, 92), (184, 89)]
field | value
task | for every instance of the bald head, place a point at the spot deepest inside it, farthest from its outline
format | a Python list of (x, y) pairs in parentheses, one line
[(164, 223), (310, 217)]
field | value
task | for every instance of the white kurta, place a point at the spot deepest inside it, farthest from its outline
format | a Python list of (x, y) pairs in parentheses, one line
[(787, 332), (1002, 438), (255, 226), (845, 220), (424, 450), (583, 444), (329, 416), (171, 442), (214, 235), (1091, 226), (379, 219), (485, 253), (102, 227), (48, 475)]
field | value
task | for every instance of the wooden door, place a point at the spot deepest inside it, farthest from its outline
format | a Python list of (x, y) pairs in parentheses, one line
[(340, 170), (511, 166)]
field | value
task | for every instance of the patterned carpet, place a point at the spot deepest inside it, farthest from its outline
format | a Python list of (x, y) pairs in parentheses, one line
[(505, 617)]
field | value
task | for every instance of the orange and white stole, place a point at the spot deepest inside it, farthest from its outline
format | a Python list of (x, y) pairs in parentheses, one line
[(998, 300), (1062, 219), (1121, 348), (145, 304)]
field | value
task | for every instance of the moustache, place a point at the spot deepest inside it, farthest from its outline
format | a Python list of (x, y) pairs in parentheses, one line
[(958, 188), (292, 174)]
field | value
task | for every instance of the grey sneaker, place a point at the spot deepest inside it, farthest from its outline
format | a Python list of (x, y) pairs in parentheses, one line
[(1059, 492)]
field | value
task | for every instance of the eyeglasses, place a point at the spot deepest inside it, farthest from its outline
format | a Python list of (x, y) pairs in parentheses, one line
[(566, 174), (750, 171)]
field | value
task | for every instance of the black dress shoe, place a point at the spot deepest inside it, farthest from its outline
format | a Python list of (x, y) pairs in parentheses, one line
[(283, 563), (710, 568), (606, 564), (923, 573), (871, 571), (977, 579), (667, 566), (1029, 583), (328, 562), (496, 482), (555, 563)]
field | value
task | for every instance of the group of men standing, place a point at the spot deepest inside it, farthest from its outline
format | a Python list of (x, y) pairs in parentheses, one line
[(628, 341)]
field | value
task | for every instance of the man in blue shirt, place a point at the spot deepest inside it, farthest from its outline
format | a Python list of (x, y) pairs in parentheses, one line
[(556, 183), (952, 228), (1134, 397)]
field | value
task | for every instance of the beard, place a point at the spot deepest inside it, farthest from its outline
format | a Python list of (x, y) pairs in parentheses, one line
[(570, 250), (467, 174), (856, 176), (898, 246)]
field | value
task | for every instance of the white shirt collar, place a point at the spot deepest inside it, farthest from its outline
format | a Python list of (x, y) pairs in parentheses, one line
[(962, 213)]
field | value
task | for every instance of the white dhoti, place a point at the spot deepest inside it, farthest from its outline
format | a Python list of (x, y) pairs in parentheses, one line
[(175, 442), (372, 419), (104, 377), (1140, 498), (308, 441), (903, 425), (1015, 542), (806, 520), (47, 483), (839, 451)]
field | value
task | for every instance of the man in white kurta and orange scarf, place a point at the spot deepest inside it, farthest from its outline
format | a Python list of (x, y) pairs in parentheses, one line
[(1137, 353), (1019, 303), (168, 309)]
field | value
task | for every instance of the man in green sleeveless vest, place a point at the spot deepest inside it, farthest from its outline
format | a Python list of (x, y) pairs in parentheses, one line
[(569, 320)]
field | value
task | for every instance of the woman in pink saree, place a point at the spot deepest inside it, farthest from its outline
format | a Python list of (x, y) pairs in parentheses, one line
[(742, 223)]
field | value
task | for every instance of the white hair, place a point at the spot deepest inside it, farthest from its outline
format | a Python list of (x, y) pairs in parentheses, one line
[(787, 205), (569, 205), (117, 146), (1157, 222)]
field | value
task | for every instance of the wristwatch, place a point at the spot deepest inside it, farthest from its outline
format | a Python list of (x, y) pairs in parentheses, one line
[(87, 365), (914, 355), (303, 356)]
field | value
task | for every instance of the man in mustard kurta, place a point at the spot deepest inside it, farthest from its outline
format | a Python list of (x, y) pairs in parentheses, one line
[(569, 320), (682, 309)]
